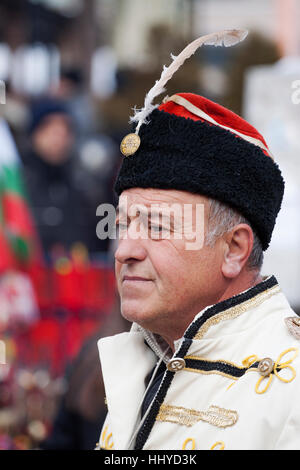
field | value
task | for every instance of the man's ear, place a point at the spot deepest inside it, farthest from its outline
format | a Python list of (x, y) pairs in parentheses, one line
[(238, 245)]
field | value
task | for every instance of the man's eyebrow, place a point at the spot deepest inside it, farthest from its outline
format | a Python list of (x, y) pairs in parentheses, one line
[(151, 212), (121, 212), (119, 209)]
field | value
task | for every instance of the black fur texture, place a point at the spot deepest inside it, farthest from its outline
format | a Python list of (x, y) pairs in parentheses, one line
[(179, 153)]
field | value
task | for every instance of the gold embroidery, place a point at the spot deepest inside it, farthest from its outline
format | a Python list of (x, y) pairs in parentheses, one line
[(219, 443), (224, 374), (224, 361), (234, 312), (229, 386), (293, 325), (105, 441), (108, 445), (286, 365), (208, 372), (277, 365), (248, 361), (189, 439), (270, 378), (215, 415)]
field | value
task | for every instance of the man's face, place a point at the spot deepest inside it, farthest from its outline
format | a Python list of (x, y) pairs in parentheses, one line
[(163, 284)]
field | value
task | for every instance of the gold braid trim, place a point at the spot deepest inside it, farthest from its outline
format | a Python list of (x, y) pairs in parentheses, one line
[(215, 415), (208, 372), (224, 361), (234, 312)]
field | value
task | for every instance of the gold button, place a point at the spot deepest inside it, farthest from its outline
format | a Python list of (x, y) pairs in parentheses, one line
[(175, 364), (130, 144), (265, 366)]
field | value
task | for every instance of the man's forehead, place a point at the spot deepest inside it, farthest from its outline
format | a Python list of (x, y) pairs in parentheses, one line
[(159, 197)]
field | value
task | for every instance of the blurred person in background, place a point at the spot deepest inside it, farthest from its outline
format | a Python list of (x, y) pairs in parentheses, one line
[(70, 88), (63, 213)]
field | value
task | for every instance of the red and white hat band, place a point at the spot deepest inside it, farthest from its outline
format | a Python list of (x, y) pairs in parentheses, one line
[(200, 113)]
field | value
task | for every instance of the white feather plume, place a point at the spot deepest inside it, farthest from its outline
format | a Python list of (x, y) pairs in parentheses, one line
[(225, 38)]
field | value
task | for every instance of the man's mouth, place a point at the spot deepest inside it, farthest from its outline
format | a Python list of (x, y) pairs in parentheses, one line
[(134, 278)]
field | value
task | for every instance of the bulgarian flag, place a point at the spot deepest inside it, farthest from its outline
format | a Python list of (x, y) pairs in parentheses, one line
[(19, 245)]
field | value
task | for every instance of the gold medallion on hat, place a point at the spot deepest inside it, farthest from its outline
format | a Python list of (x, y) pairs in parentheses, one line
[(130, 144)]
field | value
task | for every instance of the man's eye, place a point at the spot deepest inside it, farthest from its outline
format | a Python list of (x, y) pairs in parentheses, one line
[(156, 228)]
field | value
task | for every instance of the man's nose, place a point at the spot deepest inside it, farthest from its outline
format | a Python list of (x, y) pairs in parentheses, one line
[(130, 250)]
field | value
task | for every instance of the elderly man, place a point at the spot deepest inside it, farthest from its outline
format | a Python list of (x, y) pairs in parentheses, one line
[(211, 359)]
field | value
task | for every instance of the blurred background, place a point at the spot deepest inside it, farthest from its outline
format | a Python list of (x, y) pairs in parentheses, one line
[(70, 73)]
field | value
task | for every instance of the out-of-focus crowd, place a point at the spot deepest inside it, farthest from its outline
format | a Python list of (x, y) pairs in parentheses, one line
[(59, 155), (56, 276)]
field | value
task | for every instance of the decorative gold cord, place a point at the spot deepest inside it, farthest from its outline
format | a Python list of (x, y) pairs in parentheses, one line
[(249, 360), (108, 445), (105, 441), (189, 439), (229, 386), (277, 367), (218, 443)]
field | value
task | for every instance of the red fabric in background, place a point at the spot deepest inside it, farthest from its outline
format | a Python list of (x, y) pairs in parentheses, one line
[(72, 307)]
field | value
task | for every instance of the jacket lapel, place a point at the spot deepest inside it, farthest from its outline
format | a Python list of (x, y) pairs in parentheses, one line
[(124, 381)]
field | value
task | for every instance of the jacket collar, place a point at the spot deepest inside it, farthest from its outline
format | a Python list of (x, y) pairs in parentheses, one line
[(214, 319), (230, 309), (124, 379), (202, 325)]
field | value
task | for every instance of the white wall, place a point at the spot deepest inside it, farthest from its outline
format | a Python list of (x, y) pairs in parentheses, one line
[(270, 108)]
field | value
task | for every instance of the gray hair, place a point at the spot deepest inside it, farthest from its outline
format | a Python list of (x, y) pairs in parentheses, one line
[(221, 220)]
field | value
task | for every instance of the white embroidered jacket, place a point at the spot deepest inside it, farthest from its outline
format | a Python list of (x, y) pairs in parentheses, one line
[(215, 396)]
